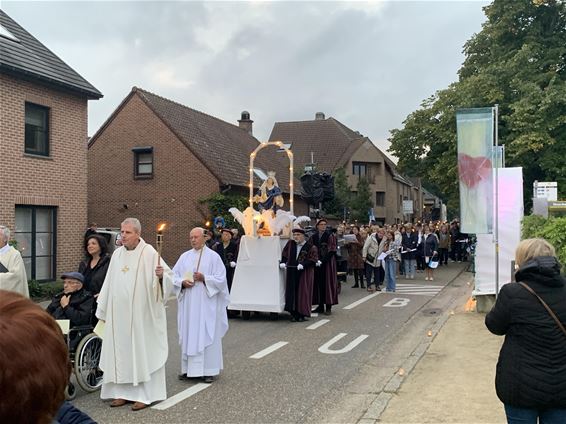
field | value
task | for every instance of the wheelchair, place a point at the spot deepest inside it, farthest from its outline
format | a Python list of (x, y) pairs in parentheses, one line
[(85, 347)]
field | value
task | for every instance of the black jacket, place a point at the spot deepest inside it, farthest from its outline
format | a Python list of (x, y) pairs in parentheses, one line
[(94, 277), (78, 311), (531, 371), (68, 414)]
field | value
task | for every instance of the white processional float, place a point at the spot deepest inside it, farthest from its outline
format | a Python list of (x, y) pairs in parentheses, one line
[(259, 283)]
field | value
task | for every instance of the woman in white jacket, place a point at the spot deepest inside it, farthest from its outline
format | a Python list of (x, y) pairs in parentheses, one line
[(372, 249)]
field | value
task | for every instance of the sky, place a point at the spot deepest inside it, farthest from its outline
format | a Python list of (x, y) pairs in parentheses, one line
[(366, 64)]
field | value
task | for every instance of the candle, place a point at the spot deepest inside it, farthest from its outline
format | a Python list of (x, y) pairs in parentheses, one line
[(159, 242)]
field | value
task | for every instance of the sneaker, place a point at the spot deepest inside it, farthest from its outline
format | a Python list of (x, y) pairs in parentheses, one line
[(431, 279), (426, 278)]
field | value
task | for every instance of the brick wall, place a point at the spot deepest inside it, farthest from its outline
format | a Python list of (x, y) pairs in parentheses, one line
[(179, 179), (59, 180)]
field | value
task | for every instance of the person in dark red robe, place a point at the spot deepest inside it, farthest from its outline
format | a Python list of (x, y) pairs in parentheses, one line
[(326, 287), (299, 258)]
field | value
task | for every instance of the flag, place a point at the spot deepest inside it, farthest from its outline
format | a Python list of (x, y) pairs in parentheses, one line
[(475, 153)]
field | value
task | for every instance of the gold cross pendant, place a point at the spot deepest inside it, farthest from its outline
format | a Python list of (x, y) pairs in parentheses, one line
[(125, 269)]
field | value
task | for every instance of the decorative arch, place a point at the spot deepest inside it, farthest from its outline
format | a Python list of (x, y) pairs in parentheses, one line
[(253, 154)]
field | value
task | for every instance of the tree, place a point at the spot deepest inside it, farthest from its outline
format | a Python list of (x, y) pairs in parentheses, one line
[(342, 195), (361, 202), (517, 60), (218, 205)]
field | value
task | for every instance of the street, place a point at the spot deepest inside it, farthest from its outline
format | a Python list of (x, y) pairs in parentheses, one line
[(318, 371)]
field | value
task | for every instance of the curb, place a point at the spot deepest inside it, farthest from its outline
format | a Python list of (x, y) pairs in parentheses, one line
[(378, 405)]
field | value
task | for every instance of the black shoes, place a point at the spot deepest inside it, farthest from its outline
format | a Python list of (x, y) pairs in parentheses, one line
[(208, 379), (319, 310), (355, 286)]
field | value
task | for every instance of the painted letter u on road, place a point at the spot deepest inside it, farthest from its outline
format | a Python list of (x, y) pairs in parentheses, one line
[(325, 348)]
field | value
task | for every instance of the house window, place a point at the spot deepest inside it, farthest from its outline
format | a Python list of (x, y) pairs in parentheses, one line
[(379, 198), (37, 240), (143, 162), (37, 130), (360, 169)]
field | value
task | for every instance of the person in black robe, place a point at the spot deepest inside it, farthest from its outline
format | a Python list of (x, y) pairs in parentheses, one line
[(326, 288), (228, 252), (299, 257)]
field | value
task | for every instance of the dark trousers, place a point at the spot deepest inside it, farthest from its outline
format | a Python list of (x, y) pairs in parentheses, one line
[(358, 276), (443, 255), (378, 275), (420, 261)]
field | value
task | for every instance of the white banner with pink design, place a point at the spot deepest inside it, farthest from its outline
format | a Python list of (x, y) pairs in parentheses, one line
[(475, 150)]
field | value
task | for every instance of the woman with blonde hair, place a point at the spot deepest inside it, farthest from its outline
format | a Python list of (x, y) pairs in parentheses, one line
[(531, 370)]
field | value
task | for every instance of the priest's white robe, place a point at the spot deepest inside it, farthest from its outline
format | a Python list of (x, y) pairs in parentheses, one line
[(134, 344), (15, 279), (201, 318)]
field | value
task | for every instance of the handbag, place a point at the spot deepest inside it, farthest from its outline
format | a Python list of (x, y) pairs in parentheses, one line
[(370, 258), (552, 314), (433, 263)]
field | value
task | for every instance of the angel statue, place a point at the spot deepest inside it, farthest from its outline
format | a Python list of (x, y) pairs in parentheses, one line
[(269, 195)]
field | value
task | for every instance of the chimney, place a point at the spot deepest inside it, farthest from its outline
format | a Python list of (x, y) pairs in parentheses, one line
[(319, 116), (246, 123)]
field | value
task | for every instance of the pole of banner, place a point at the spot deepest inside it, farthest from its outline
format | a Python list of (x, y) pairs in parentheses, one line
[(496, 232)]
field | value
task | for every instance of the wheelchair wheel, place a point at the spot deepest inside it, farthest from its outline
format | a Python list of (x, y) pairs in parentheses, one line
[(70, 391), (87, 357)]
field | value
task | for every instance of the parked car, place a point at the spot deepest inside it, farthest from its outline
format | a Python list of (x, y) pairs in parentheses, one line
[(112, 236)]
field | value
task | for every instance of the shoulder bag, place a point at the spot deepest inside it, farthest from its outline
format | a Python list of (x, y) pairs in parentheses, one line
[(552, 314)]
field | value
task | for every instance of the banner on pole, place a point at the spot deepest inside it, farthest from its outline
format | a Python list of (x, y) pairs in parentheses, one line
[(475, 152)]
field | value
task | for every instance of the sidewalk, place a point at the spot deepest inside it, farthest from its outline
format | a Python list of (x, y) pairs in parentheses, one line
[(454, 380)]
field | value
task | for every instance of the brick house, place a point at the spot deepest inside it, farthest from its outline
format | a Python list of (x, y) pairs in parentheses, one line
[(332, 145), (43, 133), (154, 159)]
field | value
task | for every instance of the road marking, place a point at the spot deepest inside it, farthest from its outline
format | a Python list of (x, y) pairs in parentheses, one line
[(397, 302), (362, 300), (325, 348), (268, 350), (318, 324), (173, 400), (424, 290)]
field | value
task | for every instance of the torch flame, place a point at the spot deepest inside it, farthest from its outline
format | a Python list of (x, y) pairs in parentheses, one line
[(161, 228)]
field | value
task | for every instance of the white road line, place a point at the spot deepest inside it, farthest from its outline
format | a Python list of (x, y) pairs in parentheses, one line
[(318, 324), (268, 350), (420, 286), (325, 348), (418, 289), (173, 400), (362, 300)]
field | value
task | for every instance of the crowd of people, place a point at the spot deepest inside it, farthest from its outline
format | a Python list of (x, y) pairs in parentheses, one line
[(377, 254), (127, 291)]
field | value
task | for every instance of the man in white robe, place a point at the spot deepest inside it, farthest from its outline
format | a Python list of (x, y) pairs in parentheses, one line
[(202, 293), (132, 305), (12, 269)]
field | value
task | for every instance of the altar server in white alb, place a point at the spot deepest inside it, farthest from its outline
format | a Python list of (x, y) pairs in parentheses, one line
[(202, 292), (12, 270), (131, 302)]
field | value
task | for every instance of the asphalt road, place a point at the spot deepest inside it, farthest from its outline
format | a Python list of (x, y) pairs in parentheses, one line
[(303, 379)]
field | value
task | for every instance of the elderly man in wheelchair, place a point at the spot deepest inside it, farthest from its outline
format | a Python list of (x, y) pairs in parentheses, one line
[(73, 309)]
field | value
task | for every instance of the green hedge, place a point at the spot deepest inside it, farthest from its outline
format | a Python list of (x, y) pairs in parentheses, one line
[(553, 230), (44, 291)]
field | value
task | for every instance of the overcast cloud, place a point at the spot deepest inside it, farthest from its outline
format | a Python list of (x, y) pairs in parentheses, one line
[(367, 64)]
